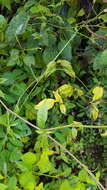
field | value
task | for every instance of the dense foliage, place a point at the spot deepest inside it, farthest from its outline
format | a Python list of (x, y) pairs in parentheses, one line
[(53, 78)]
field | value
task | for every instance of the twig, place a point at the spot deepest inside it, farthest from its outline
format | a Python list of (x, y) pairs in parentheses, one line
[(95, 34), (73, 125)]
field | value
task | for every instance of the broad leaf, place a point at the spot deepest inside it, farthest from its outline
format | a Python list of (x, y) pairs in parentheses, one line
[(27, 180), (42, 115), (67, 52), (3, 187), (44, 164), (29, 158), (6, 3), (65, 185), (94, 112), (98, 93), (48, 101), (66, 90), (17, 25), (67, 67), (63, 108)]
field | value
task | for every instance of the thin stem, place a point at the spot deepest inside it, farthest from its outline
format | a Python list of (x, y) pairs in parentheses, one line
[(78, 126), (72, 37)]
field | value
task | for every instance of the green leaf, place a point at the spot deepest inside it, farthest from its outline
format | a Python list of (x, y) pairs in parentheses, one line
[(27, 180), (81, 13), (51, 68), (65, 185), (14, 58), (21, 129), (103, 17), (6, 3), (67, 52), (44, 164), (12, 183), (49, 54), (40, 9), (2, 94), (3, 22), (4, 120), (29, 60), (100, 61), (3, 187), (40, 187), (17, 25), (30, 112), (29, 158), (83, 175), (74, 133)]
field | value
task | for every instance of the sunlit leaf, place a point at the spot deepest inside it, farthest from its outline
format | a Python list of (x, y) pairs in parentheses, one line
[(63, 108), (44, 164), (51, 68), (104, 134), (27, 180), (29, 158), (94, 112), (81, 13), (65, 185), (58, 97), (48, 101), (40, 187), (98, 93), (66, 90), (67, 67), (2, 186)]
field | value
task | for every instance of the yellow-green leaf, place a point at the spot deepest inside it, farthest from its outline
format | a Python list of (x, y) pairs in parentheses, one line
[(94, 112), (104, 134), (29, 158), (65, 185), (66, 90), (44, 164), (58, 97), (2, 186), (27, 180), (98, 93), (48, 101), (67, 67), (2, 94), (63, 108), (1, 177), (40, 187), (81, 12)]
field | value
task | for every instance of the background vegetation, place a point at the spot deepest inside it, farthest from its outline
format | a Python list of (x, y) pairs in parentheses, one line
[(53, 91)]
